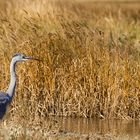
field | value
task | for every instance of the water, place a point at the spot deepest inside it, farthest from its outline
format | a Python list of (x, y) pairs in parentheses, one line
[(101, 129), (83, 125), (70, 129)]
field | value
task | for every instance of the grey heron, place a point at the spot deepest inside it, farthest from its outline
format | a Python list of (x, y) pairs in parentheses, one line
[(6, 98)]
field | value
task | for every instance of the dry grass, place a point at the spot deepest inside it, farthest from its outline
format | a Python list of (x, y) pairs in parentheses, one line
[(90, 56)]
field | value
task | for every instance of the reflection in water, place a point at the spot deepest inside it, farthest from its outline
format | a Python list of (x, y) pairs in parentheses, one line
[(71, 129), (114, 127)]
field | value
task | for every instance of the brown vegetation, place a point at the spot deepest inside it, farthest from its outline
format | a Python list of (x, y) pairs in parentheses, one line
[(90, 56)]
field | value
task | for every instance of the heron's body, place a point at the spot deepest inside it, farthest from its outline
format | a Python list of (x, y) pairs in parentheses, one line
[(6, 98)]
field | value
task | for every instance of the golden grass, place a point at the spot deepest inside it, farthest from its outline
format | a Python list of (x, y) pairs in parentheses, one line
[(90, 56)]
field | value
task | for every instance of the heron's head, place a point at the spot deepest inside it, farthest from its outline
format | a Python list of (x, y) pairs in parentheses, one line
[(22, 57)]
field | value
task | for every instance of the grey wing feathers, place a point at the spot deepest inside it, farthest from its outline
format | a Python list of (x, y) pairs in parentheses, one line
[(4, 98), (4, 101)]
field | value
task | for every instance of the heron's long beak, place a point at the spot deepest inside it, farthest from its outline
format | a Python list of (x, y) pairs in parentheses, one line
[(31, 58)]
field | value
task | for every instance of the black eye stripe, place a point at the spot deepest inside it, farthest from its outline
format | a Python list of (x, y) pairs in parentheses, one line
[(19, 54), (16, 54)]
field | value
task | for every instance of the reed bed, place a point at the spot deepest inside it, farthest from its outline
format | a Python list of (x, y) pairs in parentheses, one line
[(90, 58)]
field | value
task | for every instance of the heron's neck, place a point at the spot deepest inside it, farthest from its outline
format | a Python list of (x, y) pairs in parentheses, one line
[(12, 85)]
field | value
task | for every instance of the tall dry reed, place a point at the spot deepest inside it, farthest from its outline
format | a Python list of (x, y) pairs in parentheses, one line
[(90, 58)]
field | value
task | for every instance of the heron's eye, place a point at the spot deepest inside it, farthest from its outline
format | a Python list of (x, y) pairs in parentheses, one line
[(23, 56)]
